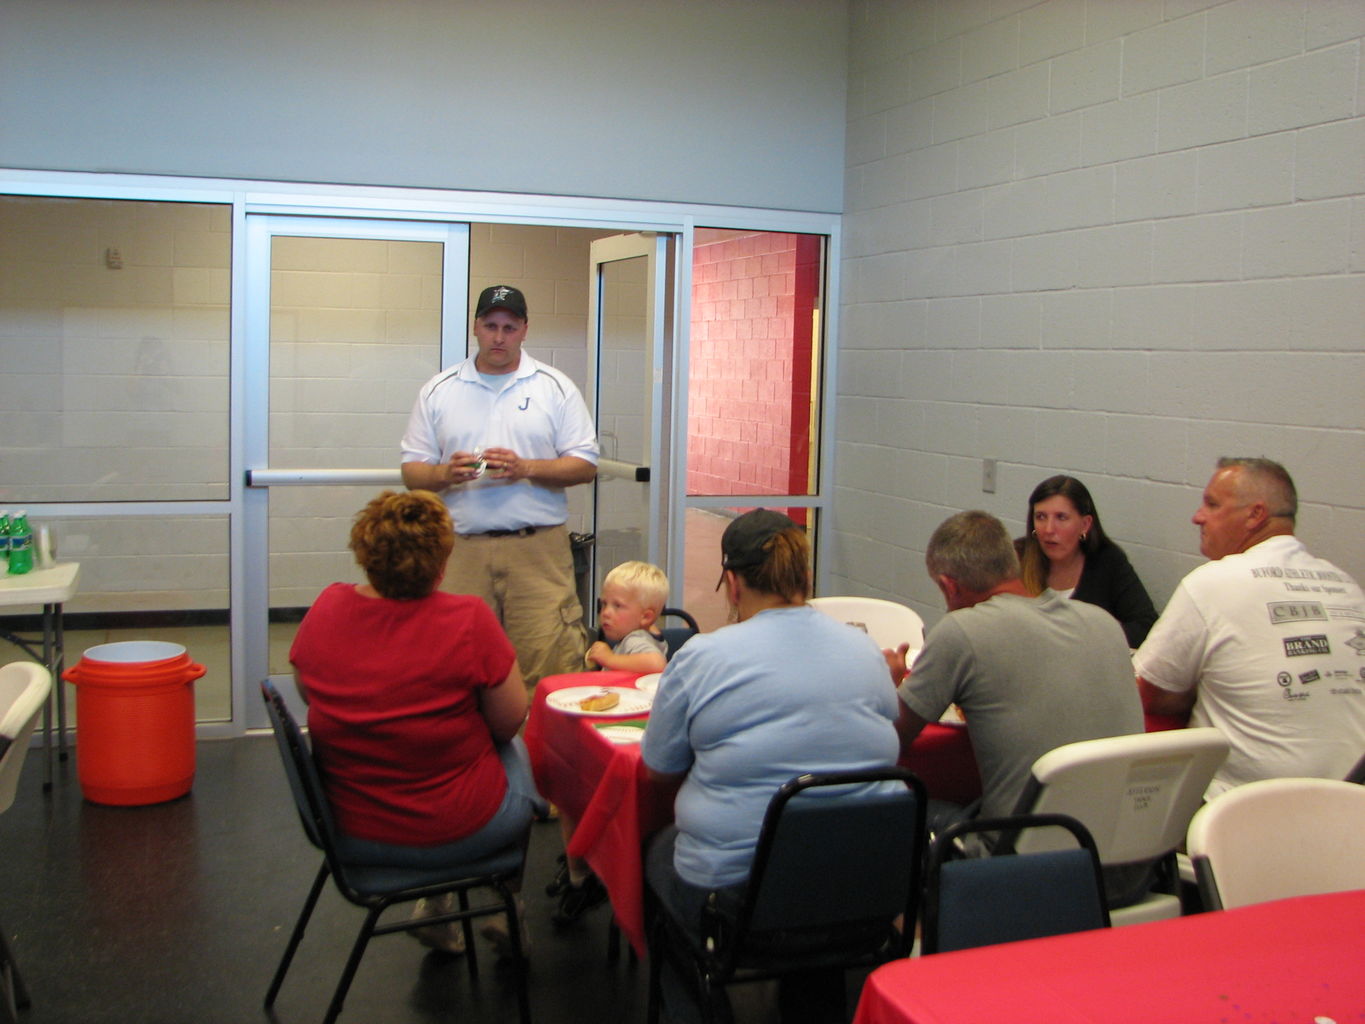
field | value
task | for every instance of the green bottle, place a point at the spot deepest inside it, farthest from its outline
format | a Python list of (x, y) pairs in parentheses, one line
[(4, 541), (20, 544)]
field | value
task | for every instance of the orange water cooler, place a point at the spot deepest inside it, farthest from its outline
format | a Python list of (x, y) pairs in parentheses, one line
[(134, 721)]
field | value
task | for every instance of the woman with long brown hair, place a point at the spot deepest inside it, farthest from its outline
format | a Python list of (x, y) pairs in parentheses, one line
[(1066, 551)]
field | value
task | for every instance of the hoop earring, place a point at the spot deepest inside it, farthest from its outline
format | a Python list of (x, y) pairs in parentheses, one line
[(1034, 532), (1083, 536)]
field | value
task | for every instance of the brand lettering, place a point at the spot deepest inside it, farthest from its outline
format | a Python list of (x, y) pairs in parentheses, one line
[(1298, 646), (1296, 611)]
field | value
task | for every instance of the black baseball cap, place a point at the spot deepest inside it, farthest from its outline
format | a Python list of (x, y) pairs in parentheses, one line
[(501, 296), (742, 545)]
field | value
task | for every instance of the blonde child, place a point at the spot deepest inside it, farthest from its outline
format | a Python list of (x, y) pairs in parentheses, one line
[(633, 596)]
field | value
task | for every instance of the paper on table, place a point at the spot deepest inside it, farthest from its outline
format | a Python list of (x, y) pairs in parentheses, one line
[(623, 732)]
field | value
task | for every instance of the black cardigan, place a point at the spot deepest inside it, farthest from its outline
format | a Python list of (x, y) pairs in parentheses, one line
[(1109, 581)]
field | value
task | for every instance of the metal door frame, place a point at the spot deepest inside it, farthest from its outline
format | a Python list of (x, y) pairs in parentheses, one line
[(250, 604)]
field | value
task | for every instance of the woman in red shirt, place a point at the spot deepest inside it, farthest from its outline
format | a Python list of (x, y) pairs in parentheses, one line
[(414, 702)]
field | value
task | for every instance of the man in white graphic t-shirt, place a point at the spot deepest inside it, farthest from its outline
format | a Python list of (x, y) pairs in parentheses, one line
[(1264, 642)]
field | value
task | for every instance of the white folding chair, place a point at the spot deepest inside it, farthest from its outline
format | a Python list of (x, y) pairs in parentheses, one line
[(1277, 838), (24, 686), (888, 623), (1136, 794)]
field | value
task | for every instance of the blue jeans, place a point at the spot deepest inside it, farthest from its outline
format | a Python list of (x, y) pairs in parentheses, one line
[(519, 804)]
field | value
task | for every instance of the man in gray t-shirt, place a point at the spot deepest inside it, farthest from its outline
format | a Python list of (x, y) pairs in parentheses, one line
[(1030, 674)]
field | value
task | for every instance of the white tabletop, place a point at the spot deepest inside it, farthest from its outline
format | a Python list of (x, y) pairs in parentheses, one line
[(41, 586)]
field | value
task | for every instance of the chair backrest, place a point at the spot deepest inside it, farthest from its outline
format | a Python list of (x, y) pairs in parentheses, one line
[(1278, 838), (676, 636), (24, 686), (838, 861), (1134, 794), (888, 623), (304, 781), (980, 901)]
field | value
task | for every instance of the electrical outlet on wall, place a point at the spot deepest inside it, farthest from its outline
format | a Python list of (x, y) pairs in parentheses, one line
[(988, 475)]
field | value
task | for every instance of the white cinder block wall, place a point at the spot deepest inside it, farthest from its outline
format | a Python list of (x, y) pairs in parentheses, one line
[(1111, 238)]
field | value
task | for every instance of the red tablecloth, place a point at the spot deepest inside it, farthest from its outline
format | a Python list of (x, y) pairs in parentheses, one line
[(1296, 960), (943, 759), (605, 787)]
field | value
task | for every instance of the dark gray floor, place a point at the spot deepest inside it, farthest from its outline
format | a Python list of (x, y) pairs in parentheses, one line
[(178, 912)]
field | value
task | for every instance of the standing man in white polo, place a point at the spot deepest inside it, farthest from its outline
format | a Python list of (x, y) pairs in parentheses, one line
[(499, 437)]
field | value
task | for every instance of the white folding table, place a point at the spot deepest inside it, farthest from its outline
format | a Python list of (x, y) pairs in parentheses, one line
[(50, 588)]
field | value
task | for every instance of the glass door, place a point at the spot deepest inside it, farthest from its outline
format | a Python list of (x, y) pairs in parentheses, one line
[(756, 386), (345, 320), (629, 335)]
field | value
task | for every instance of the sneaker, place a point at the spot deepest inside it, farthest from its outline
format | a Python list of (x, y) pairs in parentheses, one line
[(495, 931), (561, 880), (447, 937), (577, 900)]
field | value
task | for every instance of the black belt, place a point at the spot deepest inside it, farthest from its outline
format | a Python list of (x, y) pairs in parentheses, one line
[(525, 531)]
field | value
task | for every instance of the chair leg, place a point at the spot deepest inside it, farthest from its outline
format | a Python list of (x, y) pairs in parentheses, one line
[(16, 993), (655, 981), (297, 936), (353, 963), (509, 900), (9, 1013), (715, 1004), (467, 926), (613, 940)]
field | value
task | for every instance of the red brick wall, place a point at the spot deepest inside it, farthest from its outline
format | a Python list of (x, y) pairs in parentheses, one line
[(749, 392)]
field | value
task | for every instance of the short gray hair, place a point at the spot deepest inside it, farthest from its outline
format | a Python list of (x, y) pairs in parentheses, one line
[(1265, 480), (974, 549)]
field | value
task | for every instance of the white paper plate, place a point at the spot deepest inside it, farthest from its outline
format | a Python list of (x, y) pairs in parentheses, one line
[(632, 702), (648, 684), (623, 734)]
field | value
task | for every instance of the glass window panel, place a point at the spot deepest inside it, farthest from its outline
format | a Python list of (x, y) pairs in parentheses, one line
[(147, 578), (753, 383), (310, 533), (623, 525), (355, 330), (703, 529), (114, 324)]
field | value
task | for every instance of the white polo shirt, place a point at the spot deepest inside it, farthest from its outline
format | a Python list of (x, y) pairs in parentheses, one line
[(539, 415)]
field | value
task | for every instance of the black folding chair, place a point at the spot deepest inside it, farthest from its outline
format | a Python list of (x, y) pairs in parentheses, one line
[(673, 636), (834, 884), (376, 888), (980, 901), (676, 636)]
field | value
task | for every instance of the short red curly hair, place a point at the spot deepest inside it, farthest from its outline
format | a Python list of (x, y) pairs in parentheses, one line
[(402, 540)]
